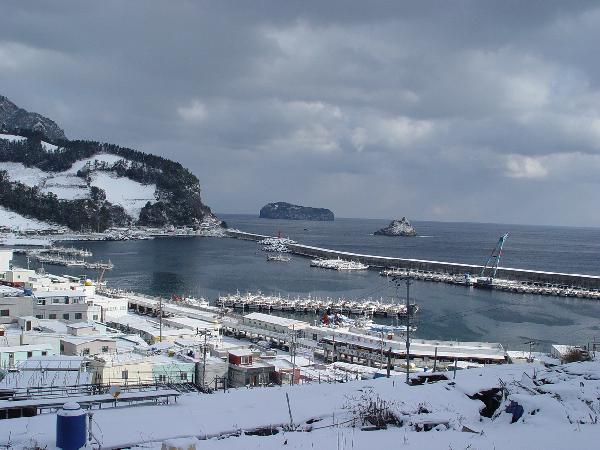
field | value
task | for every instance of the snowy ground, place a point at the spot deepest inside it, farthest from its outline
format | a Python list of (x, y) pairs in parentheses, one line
[(560, 410), (131, 195), (16, 221)]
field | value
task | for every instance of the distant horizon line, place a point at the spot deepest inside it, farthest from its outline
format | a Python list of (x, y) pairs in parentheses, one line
[(254, 215)]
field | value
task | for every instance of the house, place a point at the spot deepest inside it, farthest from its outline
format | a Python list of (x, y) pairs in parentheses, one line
[(18, 277), (87, 346), (11, 356), (121, 368), (172, 370), (246, 370)]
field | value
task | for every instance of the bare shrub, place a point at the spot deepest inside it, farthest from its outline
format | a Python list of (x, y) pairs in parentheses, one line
[(575, 354), (371, 410)]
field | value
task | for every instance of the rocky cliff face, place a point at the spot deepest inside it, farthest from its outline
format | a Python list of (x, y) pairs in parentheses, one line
[(283, 210), (397, 227), (14, 118)]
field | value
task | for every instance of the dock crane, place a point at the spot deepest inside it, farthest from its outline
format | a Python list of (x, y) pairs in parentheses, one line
[(488, 273)]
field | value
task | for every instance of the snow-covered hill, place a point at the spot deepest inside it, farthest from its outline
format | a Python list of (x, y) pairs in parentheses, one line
[(66, 185), (88, 185)]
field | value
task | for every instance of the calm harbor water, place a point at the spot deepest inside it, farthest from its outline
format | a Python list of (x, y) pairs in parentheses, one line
[(210, 266)]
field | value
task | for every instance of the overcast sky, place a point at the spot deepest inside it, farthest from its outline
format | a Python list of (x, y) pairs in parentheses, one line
[(463, 110)]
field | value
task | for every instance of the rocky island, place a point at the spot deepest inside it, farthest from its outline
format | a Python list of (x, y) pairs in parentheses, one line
[(397, 227), (283, 210)]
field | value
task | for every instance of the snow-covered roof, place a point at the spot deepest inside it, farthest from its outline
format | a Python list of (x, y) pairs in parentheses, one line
[(75, 340), (54, 362), (26, 348), (7, 291), (276, 320), (64, 293), (240, 352), (79, 325)]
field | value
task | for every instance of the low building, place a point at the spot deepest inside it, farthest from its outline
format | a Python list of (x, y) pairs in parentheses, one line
[(11, 356), (80, 328), (6, 256), (171, 370), (110, 308), (245, 370), (18, 277), (87, 346), (14, 304), (47, 372), (213, 372), (121, 368), (69, 306), (277, 324)]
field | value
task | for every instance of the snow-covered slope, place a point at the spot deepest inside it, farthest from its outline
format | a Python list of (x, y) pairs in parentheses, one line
[(559, 409), (16, 221), (131, 195)]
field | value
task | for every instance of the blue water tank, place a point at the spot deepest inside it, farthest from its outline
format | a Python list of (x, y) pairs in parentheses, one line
[(28, 291), (70, 427)]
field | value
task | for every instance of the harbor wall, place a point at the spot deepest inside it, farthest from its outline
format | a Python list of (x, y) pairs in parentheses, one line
[(386, 262)]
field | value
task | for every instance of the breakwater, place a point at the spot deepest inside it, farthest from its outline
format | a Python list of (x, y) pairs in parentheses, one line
[(580, 281)]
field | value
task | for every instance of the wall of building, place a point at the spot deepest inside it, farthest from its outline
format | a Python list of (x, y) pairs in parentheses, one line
[(95, 347), (6, 256), (13, 307), (77, 312)]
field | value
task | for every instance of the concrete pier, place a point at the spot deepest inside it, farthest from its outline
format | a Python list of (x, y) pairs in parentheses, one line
[(386, 262)]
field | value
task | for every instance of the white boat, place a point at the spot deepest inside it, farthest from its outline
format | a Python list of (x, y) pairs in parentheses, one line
[(279, 257), (338, 264)]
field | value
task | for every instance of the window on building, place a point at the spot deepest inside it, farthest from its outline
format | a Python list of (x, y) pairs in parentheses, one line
[(125, 374), (245, 360), (55, 300), (95, 317), (105, 349), (85, 352), (183, 376), (39, 316), (162, 378), (62, 348), (78, 315), (44, 353), (66, 316), (51, 316), (4, 312), (29, 354)]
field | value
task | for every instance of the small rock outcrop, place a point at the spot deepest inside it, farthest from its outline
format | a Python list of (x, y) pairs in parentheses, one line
[(397, 227), (283, 210)]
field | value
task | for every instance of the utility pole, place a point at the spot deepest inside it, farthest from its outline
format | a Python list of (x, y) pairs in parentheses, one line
[(408, 283), (160, 318), (204, 361), (293, 353)]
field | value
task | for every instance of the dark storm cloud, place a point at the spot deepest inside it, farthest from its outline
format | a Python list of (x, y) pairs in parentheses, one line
[(463, 110)]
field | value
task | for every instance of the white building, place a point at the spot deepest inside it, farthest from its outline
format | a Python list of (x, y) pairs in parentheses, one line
[(6, 256), (69, 306), (14, 304), (110, 308)]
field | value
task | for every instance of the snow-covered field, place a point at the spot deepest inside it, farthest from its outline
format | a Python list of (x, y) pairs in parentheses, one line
[(560, 408), (16, 221), (131, 195)]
